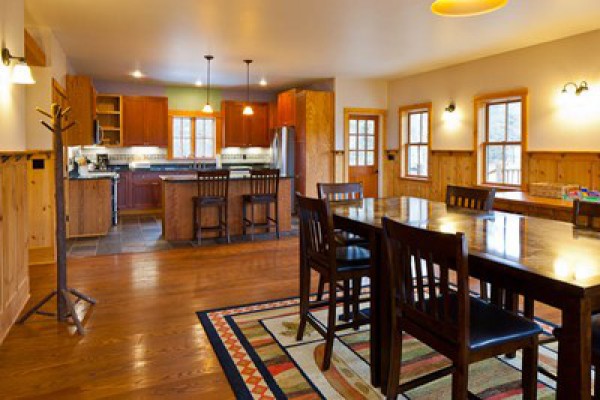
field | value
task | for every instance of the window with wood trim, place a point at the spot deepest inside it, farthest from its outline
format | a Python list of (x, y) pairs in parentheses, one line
[(502, 146), (192, 137), (416, 139), (362, 134)]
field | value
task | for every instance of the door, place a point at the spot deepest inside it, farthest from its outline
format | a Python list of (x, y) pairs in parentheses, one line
[(133, 121), (234, 134), (156, 121), (363, 138)]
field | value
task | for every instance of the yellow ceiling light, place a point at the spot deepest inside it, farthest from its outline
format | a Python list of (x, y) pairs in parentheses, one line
[(465, 8)]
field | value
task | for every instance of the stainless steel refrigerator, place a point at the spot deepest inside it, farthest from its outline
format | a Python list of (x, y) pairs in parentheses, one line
[(282, 149)]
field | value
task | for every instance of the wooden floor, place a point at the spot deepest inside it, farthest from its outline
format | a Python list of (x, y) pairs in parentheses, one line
[(144, 339)]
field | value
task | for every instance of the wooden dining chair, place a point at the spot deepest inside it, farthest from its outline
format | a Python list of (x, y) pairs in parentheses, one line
[(319, 252), (338, 192), (212, 192), (264, 190), (463, 328), (586, 215)]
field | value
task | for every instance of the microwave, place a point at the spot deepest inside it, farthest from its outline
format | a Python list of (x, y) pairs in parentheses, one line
[(98, 133)]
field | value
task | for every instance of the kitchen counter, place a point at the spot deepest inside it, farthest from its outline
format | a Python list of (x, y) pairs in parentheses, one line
[(95, 175), (193, 178), (177, 207)]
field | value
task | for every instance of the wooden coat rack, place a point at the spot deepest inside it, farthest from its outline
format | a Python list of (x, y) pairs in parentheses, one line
[(65, 307)]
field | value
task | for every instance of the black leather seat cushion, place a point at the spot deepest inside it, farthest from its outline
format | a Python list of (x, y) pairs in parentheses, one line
[(491, 326), (352, 255), (345, 238)]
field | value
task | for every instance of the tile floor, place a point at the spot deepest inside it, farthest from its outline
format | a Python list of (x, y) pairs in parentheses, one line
[(136, 234)]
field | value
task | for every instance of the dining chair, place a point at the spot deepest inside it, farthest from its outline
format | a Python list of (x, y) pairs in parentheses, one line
[(212, 191), (462, 328), (264, 190), (337, 192), (319, 252)]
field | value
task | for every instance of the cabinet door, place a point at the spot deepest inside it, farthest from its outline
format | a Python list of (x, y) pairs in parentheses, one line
[(133, 121), (234, 134), (145, 190), (156, 111), (257, 126), (81, 94), (286, 108), (123, 191)]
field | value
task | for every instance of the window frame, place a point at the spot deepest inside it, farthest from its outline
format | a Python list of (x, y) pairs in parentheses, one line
[(482, 104), (375, 135), (404, 114), (194, 115)]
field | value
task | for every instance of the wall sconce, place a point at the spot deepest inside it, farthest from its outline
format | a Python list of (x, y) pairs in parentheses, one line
[(451, 107), (582, 87), (21, 73)]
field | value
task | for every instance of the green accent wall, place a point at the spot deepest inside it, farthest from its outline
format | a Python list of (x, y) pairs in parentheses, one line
[(192, 99)]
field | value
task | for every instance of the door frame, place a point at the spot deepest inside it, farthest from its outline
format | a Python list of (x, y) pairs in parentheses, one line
[(381, 140)]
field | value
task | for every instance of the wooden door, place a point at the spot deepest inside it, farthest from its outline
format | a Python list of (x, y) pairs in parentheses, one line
[(234, 134), (363, 138), (133, 121), (156, 117), (257, 126)]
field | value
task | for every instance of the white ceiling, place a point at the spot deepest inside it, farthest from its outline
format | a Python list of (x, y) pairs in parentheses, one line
[(292, 40)]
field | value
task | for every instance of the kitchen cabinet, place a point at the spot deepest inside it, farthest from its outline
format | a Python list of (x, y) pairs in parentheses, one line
[(124, 191), (90, 207), (82, 99), (286, 108), (245, 130), (145, 121), (145, 190)]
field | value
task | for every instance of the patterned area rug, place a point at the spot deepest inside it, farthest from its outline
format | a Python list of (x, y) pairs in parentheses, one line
[(256, 345)]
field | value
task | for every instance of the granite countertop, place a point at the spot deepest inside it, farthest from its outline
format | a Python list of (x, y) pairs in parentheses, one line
[(192, 178), (95, 175), (178, 166)]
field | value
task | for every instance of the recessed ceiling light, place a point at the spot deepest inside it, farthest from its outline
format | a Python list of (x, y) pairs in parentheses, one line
[(263, 82), (137, 74)]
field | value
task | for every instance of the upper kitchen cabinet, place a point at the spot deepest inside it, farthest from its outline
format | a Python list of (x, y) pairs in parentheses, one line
[(82, 98), (245, 130), (145, 121), (286, 108)]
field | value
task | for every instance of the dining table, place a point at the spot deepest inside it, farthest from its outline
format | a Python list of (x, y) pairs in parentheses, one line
[(548, 261)]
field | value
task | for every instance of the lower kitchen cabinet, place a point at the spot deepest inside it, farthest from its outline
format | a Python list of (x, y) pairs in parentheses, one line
[(139, 190), (90, 207)]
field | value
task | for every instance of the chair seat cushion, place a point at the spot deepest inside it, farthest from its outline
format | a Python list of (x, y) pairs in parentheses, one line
[(259, 198), (345, 238), (352, 255)]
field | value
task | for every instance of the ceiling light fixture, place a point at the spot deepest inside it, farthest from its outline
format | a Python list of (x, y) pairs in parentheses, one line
[(248, 109), (137, 74), (207, 107), (21, 73), (578, 89), (466, 8)]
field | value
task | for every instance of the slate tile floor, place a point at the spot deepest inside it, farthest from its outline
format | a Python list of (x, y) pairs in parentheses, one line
[(136, 234)]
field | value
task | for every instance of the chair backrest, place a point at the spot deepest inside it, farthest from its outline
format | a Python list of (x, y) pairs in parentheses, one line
[(213, 183), (340, 191), (588, 212), (468, 197), (316, 231), (264, 182), (422, 297)]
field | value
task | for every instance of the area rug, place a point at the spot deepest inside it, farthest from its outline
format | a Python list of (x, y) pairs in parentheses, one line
[(256, 345)]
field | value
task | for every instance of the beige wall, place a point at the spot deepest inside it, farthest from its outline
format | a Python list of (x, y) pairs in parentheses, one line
[(40, 94), (543, 69), (12, 97), (356, 93)]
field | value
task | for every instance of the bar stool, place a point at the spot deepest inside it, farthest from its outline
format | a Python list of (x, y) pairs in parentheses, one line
[(213, 192), (264, 190)]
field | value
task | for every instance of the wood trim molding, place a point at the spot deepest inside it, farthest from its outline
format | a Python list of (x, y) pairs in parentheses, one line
[(217, 115), (34, 54), (402, 110)]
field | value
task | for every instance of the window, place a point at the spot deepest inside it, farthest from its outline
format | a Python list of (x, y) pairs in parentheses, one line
[(502, 144), (362, 137), (193, 137), (415, 133)]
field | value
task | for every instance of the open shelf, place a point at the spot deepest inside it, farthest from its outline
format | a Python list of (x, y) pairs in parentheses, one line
[(110, 118)]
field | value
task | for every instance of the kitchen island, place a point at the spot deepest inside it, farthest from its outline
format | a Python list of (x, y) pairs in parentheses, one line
[(177, 206), (90, 204)]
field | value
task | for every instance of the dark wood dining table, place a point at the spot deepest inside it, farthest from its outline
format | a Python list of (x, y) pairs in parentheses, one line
[(550, 261)]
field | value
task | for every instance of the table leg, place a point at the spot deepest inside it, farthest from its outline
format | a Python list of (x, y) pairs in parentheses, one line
[(574, 351), (379, 314)]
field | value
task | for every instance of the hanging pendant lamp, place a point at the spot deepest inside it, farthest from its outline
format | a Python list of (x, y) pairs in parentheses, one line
[(248, 109), (207, 107), (465, 8)]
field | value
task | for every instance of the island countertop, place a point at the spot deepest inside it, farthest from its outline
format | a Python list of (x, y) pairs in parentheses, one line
[(192, 177)]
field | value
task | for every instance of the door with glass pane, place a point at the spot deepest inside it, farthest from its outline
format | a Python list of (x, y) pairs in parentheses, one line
[(363, 133)]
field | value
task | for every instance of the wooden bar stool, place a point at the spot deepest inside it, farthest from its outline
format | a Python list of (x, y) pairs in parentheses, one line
[(264, 190), (213, 192)]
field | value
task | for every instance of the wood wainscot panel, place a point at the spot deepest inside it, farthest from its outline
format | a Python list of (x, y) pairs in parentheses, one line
[(339, 166), (579, 168), (178, 209), (14, 273), (40, 188)]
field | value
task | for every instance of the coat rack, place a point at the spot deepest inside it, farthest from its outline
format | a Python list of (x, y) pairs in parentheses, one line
[(65, 307)]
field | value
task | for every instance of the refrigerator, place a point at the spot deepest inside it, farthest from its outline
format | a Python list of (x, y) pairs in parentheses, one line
[(282, 149)]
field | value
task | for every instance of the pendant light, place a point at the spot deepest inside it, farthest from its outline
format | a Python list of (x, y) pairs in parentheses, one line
[(465, 8), (207, 107), (248, 109)]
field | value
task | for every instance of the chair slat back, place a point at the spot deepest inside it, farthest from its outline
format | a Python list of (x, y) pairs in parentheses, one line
[(340, 191), (472, 198), (316, 231), (586, 215), (213, 183), (420, 262), (264, 182)]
